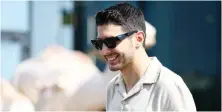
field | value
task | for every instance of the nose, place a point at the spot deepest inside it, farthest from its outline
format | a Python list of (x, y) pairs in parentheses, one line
[(105, 50)]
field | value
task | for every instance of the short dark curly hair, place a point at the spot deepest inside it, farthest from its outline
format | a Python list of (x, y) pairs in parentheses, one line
[(123, 14)]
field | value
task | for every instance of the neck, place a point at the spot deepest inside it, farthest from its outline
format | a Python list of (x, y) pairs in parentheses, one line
[(135, 70)]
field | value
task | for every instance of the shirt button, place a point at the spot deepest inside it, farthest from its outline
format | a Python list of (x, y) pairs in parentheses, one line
[(122, 107)]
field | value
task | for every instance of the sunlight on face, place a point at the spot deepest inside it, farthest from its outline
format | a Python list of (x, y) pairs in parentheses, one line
[(120, 56)]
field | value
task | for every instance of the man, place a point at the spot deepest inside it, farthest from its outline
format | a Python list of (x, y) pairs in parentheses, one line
[(144, 84)]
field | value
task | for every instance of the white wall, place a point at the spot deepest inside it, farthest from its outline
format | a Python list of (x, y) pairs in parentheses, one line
[(10, 58), (47, 26), (14, 15)]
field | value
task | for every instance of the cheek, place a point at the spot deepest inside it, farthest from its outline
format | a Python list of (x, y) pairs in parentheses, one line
[(125, 46), (126, 49), (130, 54), (127, 55)]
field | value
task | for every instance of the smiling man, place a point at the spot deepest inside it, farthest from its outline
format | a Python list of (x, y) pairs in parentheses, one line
[(144, 84)]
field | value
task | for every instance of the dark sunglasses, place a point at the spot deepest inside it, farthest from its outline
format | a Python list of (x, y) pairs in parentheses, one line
[(110, 42)]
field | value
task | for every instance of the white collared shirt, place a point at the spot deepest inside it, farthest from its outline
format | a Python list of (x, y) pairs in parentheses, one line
[(158, 90)]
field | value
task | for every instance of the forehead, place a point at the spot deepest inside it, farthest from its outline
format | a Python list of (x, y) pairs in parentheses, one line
[(106, 31)]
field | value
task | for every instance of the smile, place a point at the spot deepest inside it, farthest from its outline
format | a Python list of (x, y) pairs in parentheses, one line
[(111, 57)]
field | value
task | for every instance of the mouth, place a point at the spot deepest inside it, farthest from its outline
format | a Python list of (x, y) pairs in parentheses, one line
[(112, 59)]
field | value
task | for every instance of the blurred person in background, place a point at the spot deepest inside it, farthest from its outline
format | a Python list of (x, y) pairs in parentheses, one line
[(12, 100), (75, 77), (144, 83), (62, 80), (27, 77)]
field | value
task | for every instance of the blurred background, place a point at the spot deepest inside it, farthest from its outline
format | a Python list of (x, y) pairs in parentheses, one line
[(188, 39)]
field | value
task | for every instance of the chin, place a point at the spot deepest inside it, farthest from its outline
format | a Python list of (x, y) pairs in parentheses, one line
[(114, 68)]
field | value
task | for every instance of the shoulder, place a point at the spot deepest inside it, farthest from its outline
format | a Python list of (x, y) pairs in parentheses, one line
[(168, 83), (175, 91), (169, 79)]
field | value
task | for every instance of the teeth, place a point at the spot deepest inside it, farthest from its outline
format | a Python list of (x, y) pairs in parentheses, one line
[(110, 58)]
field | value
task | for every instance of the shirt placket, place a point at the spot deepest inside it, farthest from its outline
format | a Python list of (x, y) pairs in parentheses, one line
[(123, 106)]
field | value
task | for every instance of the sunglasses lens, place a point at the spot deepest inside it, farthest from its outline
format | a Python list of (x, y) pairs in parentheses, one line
[(110, 42), (97, 44)]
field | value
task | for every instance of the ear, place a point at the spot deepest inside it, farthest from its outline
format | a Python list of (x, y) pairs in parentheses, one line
[(140, 39)]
